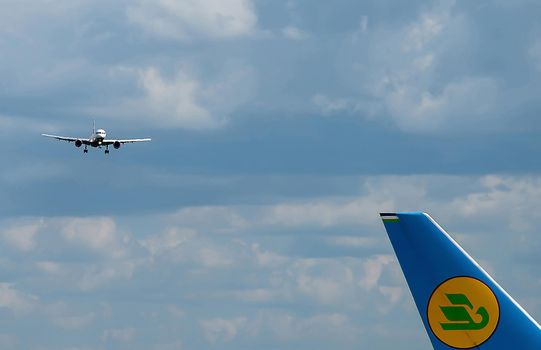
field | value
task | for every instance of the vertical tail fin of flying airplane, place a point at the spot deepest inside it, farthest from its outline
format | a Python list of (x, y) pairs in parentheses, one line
[(461, 306)]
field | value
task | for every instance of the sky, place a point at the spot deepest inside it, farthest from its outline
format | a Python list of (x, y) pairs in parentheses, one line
[(280, 130)]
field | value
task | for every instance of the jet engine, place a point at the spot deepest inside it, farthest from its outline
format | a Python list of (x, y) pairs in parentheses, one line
[(116, 145), (78, 143)]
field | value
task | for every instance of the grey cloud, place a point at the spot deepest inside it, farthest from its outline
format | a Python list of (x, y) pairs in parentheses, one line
[(421, 74), (184, 20)]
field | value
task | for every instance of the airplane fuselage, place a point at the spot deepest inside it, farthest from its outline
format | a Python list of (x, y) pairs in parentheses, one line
[(96, 139)]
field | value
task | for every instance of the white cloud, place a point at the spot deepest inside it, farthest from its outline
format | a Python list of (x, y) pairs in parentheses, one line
[(329, 105), (401, 77), (99, 274), (393, 293), (237, 248), (51, 267), (320, 281), (267, 258), (416, 96), (175, 99), (22, 236), (15, 300), (325, 213), (113, 253), (169, 240), (97, 234), (352, 241), (225, 219), (219, 330), (327, 286), (183, 100), (294, 33), (74, 322), (467, 102), (187, 19), (287, 327), (119, 334), (373, 268), (502, 197), (423, 31), (214, 257)]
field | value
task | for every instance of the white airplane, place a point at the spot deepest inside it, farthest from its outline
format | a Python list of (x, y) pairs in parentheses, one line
[(97, 139)]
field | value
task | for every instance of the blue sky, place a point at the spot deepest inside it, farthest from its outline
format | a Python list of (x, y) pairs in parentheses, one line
[(280, 130)]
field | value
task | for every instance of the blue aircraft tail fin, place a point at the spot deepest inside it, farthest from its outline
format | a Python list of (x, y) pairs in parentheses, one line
[(461, 306)]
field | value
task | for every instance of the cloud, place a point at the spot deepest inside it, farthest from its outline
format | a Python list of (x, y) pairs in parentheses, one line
[(22, 236), (373, 268), (94, 276), (15, 300), (96, 234), (51, 267), (182, 100), (187, 19), (254, 257), (226, 219), (420, 33), (325, 281), (294, 33), (328, 105), (176, 100), (169, 240), (352, 241), (502, 197), (329, 282), (469, 102), (219, 330), (403, 76), (74, 322), (287, 327), (186, 246), (119, 334), (325, 213), (109, 255)]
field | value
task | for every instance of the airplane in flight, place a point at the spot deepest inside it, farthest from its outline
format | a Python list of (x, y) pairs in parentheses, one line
[(97, 140), (461, 306)]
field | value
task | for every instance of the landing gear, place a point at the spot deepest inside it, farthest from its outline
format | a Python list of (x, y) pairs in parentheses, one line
[(106, 149), (85, 150)]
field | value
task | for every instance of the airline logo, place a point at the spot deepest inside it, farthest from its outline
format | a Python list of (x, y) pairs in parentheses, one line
[(463, 312)]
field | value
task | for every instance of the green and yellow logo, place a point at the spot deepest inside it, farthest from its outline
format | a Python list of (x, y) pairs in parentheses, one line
[(463, 312)]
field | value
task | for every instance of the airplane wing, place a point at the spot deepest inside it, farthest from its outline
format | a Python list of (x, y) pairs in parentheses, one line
[(68, 139), (110, 142)]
